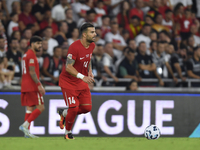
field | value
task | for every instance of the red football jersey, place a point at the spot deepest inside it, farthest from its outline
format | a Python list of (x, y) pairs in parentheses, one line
[(185, 24), (82, 57), (29, 59)]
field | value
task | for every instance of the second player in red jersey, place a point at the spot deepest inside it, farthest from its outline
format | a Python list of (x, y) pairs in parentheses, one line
[(31, 89), (75, 78)]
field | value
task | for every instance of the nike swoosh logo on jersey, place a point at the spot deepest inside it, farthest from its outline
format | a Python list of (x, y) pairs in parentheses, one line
[(82, 58)]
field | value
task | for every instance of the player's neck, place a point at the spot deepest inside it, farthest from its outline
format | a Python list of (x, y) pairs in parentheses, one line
[(32, 50), (85, 43)]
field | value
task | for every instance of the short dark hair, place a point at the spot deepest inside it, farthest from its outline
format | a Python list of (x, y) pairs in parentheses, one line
[(105, 16), (168, 10), (91, 11), (146, 25), (130, 51), (98, 45), (54, 49), (13, 14), (66, 10), (12, 39), (141, 43), (35, 39), (85, 26), (154, 41)]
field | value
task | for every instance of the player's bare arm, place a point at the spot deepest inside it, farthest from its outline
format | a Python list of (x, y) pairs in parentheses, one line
[(71, 70), (90, 74), (35, 79)]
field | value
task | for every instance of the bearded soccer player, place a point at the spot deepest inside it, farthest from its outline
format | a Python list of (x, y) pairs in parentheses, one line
[(76, 76), (31, 89)]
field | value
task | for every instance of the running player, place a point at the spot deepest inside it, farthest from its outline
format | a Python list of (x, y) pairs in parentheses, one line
[(31, 89), (76, 76)]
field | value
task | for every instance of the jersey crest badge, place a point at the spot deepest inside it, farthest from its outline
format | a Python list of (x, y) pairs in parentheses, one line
[(31, 61), (69, 56)]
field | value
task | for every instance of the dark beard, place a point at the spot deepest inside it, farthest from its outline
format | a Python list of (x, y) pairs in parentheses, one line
[(89, 41), (37, 50)]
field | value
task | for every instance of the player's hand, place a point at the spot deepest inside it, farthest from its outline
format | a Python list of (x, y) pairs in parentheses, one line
[(90, 74), (88, 80), (41, 90)]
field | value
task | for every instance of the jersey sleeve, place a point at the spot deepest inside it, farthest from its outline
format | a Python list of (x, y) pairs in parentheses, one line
[(72, 52), (31, 61)]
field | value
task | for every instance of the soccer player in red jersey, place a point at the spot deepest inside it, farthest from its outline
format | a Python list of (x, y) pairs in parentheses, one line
[(76, 76), (31, 89)]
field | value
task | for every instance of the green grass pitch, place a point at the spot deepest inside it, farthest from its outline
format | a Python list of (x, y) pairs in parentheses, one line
[(98, 143)]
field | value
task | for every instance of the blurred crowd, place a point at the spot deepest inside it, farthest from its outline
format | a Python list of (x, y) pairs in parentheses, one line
[(136, 39)]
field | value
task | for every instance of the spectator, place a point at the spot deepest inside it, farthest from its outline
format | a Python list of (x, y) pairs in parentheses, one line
[(185, 23), (23, 44), (132, 85), (108, 70), (2, 51), (154, 10), (165, 5), (116, 39), (128, 68), (158, 24), (194, 31), (51, 42), (161, 60), (39, 10), (144, 35), (168, 20), (48, 21), (135, 26), (25, 18), (177, 64), (27, 34), (153, 36), (2, 33), (52, 66), (137, 11), (61, 34), (64, 54), (75, 36), (149, 20), (105, 28), (186, 3), (13, 24), (45, 48), (16, 7), (99, 11), (153, 46), (14, 57), (40, 59), (71, 24), (5, 76), (125, 34), (193, 65), (16, 34), (147, 69), (124, 15), (190, 46), (79, 10), (97, 59), (132, 44), (178, 12), (98, 39), (58, 11), (91, 14)]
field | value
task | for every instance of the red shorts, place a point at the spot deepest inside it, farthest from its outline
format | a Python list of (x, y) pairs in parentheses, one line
[(75, 98), (31, 98)]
